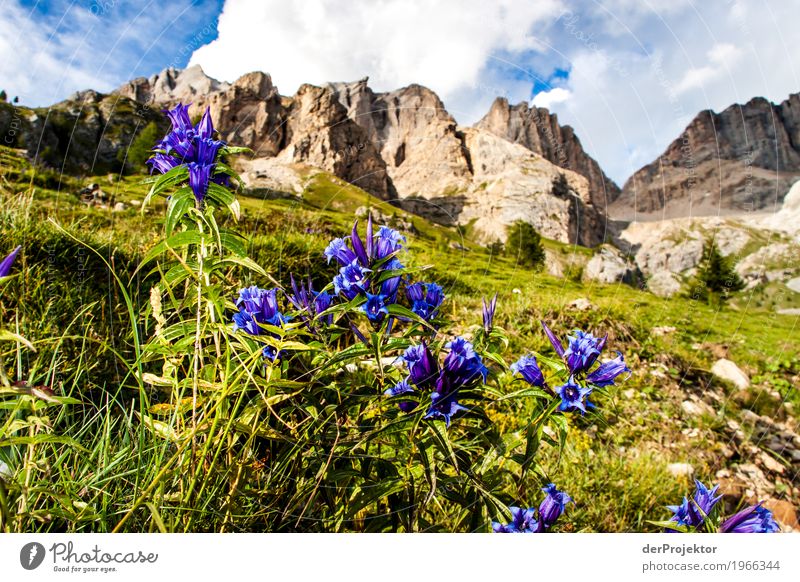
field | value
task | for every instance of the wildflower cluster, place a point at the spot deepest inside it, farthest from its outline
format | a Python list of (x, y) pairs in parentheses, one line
[(697, 514), (462, 367), (258, 308), (370, 269), (192, 147), (580, 355), (535, 520)]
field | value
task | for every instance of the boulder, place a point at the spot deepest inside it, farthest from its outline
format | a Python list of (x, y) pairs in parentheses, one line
[(663, 284), (610, 266), (730, 372)]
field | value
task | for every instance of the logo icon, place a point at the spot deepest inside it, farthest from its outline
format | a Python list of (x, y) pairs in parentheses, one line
[(31, 555)]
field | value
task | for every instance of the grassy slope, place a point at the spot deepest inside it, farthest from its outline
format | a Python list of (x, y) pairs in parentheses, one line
[(619, 462)]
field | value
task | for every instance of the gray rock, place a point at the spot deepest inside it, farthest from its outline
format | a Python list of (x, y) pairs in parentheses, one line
[(727, 370), (663, 284), (610, 266), (680, 469)]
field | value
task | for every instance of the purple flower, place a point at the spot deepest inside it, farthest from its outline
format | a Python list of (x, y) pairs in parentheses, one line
[(205, 129), (422, 366), (399, 389), (162, 163), (606, 373), (554, 341), (207, 151), (528, 368), (310, 302), (522, 521), (179, 117), (753, 519), (257, 306), (582, 351), (553, 505), (574, 396), (693, 513), (425, 299), (199, 177), (462, 363), (443, 406), (338, 249), (8, 262), (488, 313), (387, 241), (351, 280), (375, 307)]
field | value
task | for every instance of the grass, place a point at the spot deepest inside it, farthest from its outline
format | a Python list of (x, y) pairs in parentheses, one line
[(86, 457)]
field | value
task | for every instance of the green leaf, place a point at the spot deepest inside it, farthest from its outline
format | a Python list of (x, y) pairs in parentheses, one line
[(180, 203), (175, 176)]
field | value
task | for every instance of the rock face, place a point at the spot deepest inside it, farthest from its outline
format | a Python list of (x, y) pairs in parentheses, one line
[(742, 159), (86, 134), (319, 133), (403, 145), (172, 86), (538, 130)]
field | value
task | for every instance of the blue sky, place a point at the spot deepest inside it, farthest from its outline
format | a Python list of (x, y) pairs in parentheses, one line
[(628, 75)]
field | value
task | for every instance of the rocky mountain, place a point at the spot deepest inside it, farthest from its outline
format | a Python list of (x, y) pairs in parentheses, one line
[(401, 145), (742, 159), (88, 133), (538, 130)]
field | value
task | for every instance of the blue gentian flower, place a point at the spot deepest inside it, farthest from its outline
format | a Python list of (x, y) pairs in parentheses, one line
[(443, 406), (425, 299), (387, 242), (403, 387), (190, 146), (162, 162), (205, 129), (606, 373), (207, 151), (528, 368), (574, 396), (582, 351), (374, 254), (351, 280), (309, 301), (553, 505), (179, 117), (693, 513), (199, 177), (375, 307), (8, 262), (422, 366), (522, 521), (338, 249), (257, 306), (753, 519), (488, 313), (463, 363)]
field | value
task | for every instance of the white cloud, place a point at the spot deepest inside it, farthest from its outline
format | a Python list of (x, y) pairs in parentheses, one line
[(635, 89), (549, 98), (721, 57), (56, 48), (444, 45)]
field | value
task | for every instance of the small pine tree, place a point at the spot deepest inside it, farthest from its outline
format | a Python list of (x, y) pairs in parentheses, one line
[(525, 244), (716, 279), (141, 148), (3, 96)]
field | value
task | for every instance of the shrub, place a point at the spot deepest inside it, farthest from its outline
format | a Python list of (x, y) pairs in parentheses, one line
[(525, 245)]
